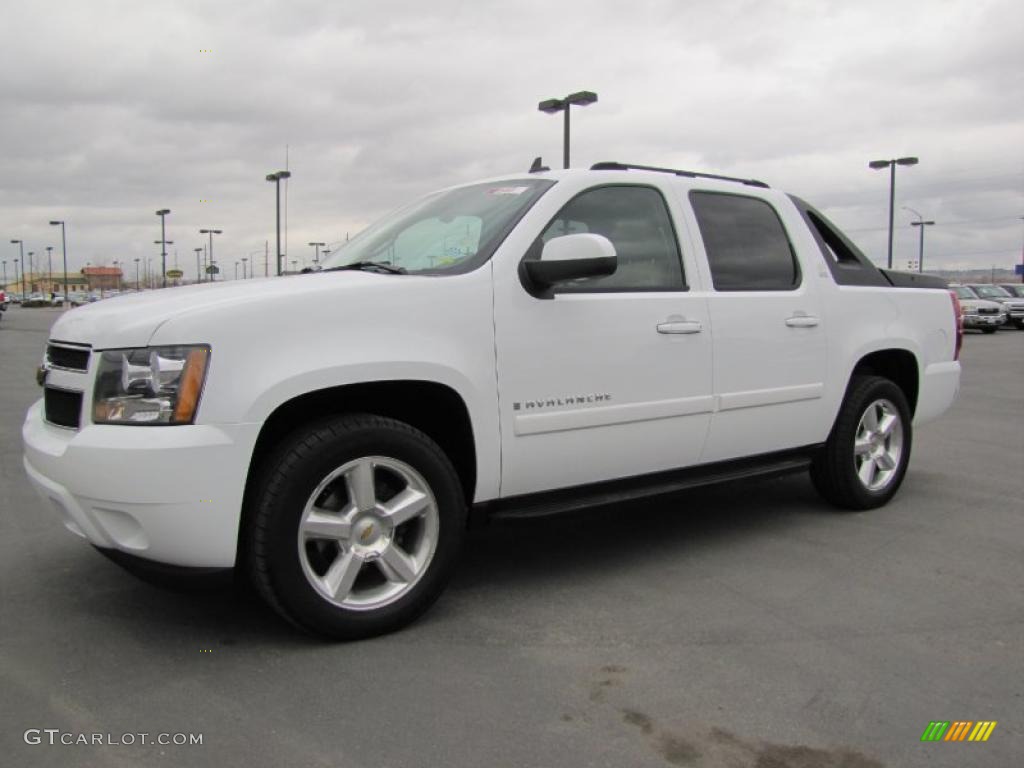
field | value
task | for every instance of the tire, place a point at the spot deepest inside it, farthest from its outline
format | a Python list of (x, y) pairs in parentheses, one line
[(863, 435), (357, 526), (989, 329)]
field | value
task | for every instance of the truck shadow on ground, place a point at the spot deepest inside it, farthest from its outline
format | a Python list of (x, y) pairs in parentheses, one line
[(498, 556)]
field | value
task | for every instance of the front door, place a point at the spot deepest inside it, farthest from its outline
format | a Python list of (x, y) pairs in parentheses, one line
[(611, 376)]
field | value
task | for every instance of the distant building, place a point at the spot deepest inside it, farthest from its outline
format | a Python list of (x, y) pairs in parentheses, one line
[(103, 278), (41, 282)]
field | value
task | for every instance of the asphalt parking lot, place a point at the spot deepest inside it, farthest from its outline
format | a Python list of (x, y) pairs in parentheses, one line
[(748, 625)]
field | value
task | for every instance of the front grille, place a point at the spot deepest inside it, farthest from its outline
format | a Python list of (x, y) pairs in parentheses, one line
[(67, 357), (63, 408), (987, 311)]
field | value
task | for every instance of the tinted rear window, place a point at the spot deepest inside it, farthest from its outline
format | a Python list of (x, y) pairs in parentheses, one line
[(746, 244)]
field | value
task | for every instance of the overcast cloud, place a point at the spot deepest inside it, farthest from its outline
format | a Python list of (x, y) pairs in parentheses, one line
[(110, 110)]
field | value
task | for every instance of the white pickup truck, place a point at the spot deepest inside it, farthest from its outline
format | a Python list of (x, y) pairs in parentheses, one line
[(521, 346)]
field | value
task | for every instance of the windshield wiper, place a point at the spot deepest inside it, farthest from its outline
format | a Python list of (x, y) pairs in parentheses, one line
[(369, 266)]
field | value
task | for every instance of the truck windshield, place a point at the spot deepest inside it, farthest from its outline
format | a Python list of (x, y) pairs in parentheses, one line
[(451, 231)]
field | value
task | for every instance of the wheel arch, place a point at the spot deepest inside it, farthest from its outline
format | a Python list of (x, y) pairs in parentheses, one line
[(435, 409), (900, 366)]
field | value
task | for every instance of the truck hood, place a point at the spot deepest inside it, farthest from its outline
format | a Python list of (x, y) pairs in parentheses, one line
[(131, 319)]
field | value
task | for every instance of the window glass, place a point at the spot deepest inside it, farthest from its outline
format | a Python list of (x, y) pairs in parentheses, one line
[(637, 223), (446, 231), (746, 245)]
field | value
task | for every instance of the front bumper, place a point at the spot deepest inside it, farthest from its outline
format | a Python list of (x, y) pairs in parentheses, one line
[(168, 494), (984, 321)]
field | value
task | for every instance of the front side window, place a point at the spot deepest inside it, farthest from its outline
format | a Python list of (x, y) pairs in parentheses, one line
[(636, 221), (746, 244), (451, 231)]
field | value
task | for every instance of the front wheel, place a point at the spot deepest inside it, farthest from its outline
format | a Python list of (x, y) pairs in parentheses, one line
[(357, 526), (865, 458), (989, 329)]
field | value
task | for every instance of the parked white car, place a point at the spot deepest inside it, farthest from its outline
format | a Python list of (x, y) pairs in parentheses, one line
[(519, 346)]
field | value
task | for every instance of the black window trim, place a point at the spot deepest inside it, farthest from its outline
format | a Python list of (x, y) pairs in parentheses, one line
[(533, 252), (792, 251), (856, 269)]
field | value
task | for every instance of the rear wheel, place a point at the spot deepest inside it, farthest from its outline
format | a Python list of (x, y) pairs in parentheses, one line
[(989, 329), (865, 458), (357, 526)]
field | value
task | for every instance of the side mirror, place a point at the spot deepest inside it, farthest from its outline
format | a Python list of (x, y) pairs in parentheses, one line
[(572, 257)]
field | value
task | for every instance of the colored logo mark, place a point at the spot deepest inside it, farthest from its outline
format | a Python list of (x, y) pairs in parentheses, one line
[(959, 730)]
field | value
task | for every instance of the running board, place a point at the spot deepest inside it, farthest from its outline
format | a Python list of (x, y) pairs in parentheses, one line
[(645, 486)]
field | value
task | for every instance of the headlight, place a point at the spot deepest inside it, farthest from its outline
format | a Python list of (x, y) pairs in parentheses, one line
[(151, 385)]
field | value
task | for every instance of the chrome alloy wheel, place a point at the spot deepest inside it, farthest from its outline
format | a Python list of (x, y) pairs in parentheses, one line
[(368, 533), (878, 445)]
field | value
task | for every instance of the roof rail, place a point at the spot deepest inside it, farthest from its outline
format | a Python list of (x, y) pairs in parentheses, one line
[(611, 165)]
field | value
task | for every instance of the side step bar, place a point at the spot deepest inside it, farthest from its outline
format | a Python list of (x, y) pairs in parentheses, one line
[(645, 486)]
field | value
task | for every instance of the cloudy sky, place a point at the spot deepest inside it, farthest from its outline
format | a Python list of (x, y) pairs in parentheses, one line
[(110, 110)]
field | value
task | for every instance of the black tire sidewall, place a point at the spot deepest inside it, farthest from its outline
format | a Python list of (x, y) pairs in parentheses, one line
[(833, 470), (342, 440)]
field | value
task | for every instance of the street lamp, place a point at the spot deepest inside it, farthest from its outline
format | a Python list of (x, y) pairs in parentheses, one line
[(31, 267), (276, 178), (64, 250), (244, 273), (891, 165), (138, 286), (209, 254), (49, 267), (162, 213), (5, 274), (199, 269), (318, 246), (551, 106), (922, 224), (236, 270)]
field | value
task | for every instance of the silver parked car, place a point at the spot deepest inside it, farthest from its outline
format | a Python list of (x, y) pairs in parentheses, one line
[(979, 314), (1014, 307)]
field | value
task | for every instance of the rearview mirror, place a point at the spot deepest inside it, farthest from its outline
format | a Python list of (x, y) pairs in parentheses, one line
[(572, 257)]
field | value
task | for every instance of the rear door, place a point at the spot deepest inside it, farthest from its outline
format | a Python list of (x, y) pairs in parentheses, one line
[(768, 328)]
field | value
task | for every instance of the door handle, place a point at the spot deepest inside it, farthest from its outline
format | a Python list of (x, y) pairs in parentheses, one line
[(801, 321), (680, 326)]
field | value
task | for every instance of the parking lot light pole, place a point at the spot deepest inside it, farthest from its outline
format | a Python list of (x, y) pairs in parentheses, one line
[(276, 178), (552, 106), (244, 273), (199, 267), (921, 223), (162, 213), (318, 246), (209, 254), (891, 165), (21, 252), (49, 267), (64, 251), (5, 274), (138, 286)]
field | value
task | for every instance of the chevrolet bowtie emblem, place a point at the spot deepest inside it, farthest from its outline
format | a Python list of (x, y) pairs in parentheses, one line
[(41, 372)]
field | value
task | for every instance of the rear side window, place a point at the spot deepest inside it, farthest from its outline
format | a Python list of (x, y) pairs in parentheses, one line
[(746, 244), (637, 222)]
